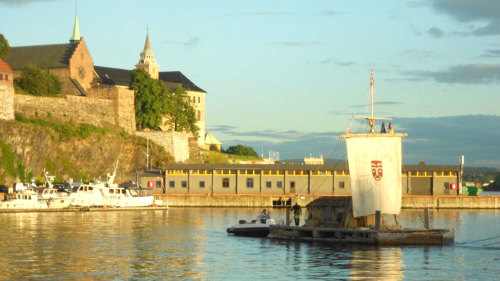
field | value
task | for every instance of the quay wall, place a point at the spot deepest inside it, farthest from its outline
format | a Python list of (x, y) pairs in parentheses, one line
[(277, 200), (451, 202)]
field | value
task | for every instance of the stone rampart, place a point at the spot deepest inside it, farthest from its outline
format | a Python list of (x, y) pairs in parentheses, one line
[(174, 143), (76, 109), (6, 101), (123, 104), (104, 106)]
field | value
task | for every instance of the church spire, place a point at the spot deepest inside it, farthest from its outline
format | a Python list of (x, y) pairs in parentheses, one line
[(147, 60), (75, 38)]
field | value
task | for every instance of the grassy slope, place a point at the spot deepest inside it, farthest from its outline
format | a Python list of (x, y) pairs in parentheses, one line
[(70, 151)]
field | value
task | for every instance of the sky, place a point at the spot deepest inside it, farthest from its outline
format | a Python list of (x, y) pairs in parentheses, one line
[(287, 75)]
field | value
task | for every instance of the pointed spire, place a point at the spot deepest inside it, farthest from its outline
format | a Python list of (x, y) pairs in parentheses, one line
[(76, 32), (147, 45), (147, 60)]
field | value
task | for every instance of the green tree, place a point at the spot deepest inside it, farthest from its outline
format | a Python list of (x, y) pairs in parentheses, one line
[(37, 82), (151, 100), (242, 150), (4, 46), (182, 116)]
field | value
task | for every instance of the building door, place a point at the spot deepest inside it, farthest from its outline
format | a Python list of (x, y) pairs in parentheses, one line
[(421, 185)]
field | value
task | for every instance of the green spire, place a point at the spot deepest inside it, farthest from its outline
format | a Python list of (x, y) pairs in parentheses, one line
[(75, 38)]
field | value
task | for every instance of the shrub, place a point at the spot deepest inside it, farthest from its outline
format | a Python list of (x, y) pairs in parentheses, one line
[(38, 82)]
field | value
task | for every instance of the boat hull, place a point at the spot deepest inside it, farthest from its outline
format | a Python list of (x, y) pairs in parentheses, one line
[(249, 231), (415, 237)]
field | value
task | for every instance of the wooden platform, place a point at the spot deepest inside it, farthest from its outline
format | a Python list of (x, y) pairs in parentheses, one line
[(363, 235)]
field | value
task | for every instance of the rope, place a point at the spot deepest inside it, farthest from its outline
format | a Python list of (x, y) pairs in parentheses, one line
[(481, 240)]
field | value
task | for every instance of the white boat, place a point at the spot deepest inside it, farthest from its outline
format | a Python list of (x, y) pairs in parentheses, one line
[(253, 228), (101, 194), (26, 199), (54, 198)]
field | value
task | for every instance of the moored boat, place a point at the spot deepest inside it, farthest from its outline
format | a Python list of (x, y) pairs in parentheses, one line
[(104, 194), (23, 200), (252, 228)]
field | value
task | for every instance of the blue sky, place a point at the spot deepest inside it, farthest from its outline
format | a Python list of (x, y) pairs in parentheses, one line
[(281, 73)]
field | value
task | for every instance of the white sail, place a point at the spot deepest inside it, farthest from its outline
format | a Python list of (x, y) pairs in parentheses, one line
[(375, 172)]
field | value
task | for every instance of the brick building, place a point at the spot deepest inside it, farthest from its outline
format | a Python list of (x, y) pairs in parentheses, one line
[(71, 63)]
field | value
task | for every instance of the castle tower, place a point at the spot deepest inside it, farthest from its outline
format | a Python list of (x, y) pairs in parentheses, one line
[(6, 91), (147, 61), (75, 38)]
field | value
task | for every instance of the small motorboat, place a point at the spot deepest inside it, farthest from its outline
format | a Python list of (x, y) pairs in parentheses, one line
[(253, 228)]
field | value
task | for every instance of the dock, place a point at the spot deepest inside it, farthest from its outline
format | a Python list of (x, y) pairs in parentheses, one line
[(81, 209)]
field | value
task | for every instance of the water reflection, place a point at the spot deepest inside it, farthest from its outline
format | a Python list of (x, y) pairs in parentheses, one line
[(193, 244), (382, 263)]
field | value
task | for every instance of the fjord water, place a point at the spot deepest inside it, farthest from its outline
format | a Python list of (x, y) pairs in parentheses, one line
[(192, 244)]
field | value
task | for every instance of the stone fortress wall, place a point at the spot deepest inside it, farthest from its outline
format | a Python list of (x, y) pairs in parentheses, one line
[(6, 102), (104, 106), (98, 109)]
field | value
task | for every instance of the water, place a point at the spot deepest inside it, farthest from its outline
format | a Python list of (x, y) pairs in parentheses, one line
[(192, 244)]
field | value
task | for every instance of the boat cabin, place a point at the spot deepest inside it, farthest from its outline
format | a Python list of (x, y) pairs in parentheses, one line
[(335, 212)]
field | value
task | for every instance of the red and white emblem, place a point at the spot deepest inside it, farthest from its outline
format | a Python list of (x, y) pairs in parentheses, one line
[(377, 170)]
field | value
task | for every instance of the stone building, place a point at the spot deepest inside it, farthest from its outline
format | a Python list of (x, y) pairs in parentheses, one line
[(70, 63), (6, 91), (101, 95), (171, 79), (86, 101)]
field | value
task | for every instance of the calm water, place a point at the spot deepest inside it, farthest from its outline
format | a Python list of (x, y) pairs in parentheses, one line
[(192, 244)]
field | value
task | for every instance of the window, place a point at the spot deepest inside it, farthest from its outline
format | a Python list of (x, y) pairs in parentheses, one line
[(225, 182), (268, 184), (1, 76), (6, 77), (202, 184), (171, 184), (194, 99), (198, 99), (184, 183), (341, 185), (292, 184), (199, 115), (158, 183), (279, 184), (250, 182)]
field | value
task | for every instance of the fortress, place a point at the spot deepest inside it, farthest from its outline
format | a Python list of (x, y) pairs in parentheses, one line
[(95, 94)]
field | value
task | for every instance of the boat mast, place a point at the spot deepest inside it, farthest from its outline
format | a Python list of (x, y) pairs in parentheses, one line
[(371, 120)]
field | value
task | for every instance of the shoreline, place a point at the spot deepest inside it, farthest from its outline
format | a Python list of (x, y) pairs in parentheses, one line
[(280, 201)]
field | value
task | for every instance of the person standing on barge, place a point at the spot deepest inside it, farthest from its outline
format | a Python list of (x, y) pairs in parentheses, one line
[(297, 211)]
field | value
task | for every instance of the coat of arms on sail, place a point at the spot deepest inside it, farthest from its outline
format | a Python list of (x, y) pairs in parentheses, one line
[(377, 170)]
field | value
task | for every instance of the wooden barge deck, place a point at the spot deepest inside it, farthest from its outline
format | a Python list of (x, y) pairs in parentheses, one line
[(363, 235)]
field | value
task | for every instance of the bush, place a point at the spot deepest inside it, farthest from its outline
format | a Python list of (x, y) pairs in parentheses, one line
[(242, 150), (38, 82), (214, 147)]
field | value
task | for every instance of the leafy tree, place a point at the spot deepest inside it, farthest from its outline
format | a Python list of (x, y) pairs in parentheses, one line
[(242, 150), (181, 113), (151, 100), (4, 46), (37, 82)]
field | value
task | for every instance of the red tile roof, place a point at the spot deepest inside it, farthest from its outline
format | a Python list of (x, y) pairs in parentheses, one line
[(4, 67)]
